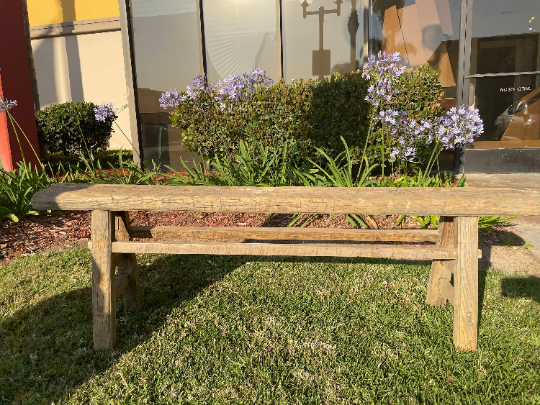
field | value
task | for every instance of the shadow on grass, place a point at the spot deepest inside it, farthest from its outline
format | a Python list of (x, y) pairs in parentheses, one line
[(46, 349), (521, 287), (482, 276)]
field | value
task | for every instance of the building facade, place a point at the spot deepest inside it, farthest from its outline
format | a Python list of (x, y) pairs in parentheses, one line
[(78, 56), (488, 52)]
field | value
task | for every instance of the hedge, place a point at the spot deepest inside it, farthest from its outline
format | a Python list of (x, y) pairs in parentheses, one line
[(308, 113)]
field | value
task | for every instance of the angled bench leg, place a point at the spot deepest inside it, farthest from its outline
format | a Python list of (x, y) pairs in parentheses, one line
[(466, 285), (132, 294), (103, 299), (442, 270)]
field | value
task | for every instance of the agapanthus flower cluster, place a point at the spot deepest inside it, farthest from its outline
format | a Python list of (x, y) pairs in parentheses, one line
[(403, 132), (382, 72), (457, 127), (233, 88), (170, 98), (7, 104), (258, 77), (105, 111), (197, 85)]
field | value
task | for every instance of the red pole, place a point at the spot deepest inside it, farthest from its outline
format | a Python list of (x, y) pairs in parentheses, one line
[(15, 84)]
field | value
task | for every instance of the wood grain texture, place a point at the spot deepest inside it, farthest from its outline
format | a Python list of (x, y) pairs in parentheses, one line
[(121, 225), (447, 290), (132, 294), (289, 200), (103, 298), (385, 235), (466, 285), (187, 243), (116, 257), (442, 270), (270, 249), (121, 284)]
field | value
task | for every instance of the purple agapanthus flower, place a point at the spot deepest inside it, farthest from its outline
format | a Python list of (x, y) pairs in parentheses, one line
[(105, 111), (459, 126), (258, 77), (391, 118), (232, 89), (402, 132), (197, 85), (382, 72), (236, 88), (170, 98), (7, 104)]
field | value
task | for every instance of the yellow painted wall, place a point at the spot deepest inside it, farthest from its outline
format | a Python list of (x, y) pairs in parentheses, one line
[(42, 12)]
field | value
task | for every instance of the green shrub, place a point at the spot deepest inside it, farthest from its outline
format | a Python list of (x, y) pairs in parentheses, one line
[(113, 156), (307, 114), (55, 160), (419, 94), (72, 128), (304, 114)]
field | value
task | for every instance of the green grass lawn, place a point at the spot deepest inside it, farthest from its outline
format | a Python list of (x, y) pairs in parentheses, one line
[(263, 330)]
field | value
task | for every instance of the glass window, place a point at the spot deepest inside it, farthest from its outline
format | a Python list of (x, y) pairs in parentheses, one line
[(323, 42), (510, 108), (240, 35), (166, 48), (505, 36), (422, 31)]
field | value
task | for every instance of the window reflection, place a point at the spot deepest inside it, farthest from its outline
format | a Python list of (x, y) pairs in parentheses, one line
[(165, 37), (422, 31), (240, 35), (314, 49), (510, 108), (506, 36)]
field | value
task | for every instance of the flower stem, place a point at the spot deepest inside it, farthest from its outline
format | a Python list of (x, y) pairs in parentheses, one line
[(382, 152), (125, 136), (364, 157), (431, 161)]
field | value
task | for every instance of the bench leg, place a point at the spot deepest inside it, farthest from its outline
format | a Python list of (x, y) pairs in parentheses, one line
[(103, 299), (133, 293), (128, 265), (442, 270), (466, 285)]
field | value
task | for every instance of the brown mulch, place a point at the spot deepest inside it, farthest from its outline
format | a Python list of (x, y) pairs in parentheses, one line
[(67, 229), (39, 233)]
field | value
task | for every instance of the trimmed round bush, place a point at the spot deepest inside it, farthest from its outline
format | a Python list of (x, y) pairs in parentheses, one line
[(72, 128)]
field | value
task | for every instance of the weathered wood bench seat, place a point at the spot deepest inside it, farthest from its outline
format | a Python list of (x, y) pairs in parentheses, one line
[(454, 272)]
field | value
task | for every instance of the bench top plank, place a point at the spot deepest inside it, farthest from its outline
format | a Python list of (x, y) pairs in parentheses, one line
[(289, 200)]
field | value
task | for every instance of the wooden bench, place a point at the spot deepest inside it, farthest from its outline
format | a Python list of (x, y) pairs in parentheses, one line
[(454, 272)]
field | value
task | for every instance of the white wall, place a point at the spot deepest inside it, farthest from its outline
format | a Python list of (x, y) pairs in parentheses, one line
[(85, 67)]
